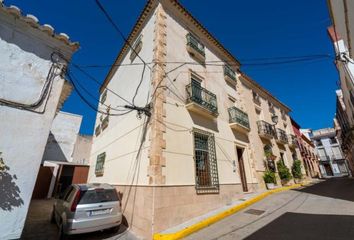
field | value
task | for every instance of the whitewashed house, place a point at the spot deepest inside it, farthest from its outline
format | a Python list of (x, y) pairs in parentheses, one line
[(32, 90)]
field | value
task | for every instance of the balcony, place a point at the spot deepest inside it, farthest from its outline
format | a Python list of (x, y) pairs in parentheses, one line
[(292, 141), (281, 136), (195, 48), (239, 120), (229, 75), (265, 130), (201, 101)]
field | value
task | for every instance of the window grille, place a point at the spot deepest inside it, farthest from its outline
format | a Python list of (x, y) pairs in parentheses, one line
[(137, 46), (206, 169), (98, 130), (104, 96), (100, 164), (105, 122)]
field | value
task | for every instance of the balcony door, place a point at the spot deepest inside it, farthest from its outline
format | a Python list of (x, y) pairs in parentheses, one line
[(241, 167), (197, 89)]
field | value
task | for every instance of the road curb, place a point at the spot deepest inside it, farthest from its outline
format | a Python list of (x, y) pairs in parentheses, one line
[(217, 217)]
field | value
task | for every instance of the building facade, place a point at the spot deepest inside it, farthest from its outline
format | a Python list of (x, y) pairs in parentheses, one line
[(306, 150), (210, 130), (332, 162), (32, 68), (342, 36)]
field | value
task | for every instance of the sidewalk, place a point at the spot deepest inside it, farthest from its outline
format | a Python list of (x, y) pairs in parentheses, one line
[(205, 220)]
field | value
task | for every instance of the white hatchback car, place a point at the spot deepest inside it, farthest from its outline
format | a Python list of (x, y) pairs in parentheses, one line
[(84, 208)]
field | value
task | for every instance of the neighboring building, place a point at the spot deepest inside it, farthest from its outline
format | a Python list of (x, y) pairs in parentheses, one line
[(66, 157), (342, 36), (341, 125), (209, 128), (305, 152), (309, 154), (332, 162), (32, 90)]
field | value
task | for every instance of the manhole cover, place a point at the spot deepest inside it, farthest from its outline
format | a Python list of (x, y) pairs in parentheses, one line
[(254, 211)]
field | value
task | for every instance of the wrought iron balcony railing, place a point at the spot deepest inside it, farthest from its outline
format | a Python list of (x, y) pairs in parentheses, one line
[(194, 43), (292, 140), (229, 73), (281, 136), (265, 129), (202, 97), (238, 116)]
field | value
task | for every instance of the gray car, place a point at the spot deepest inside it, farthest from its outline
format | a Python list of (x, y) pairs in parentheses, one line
[(83, 208)]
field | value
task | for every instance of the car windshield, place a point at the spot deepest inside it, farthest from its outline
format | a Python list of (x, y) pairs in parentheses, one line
[(98, 196)]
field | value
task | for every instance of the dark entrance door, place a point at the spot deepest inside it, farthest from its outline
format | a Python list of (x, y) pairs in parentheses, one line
[(241, 167), (328, 168)]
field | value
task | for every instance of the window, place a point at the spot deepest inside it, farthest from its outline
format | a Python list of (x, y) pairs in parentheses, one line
[(256, 98), (104, 96), (99, 195), (98, 130), (137, 46), (230, 73), (271, 107), (294, 155), (105, 122), (283, 115), (333, 140), (100, 164), (195, 44), (282, 158), (206, 171)]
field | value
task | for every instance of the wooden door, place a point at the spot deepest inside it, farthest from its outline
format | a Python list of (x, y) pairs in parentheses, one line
[(241, 167)]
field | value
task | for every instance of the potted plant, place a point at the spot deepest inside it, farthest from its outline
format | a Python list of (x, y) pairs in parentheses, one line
[(269, 179), (296, 171), (284, 173)]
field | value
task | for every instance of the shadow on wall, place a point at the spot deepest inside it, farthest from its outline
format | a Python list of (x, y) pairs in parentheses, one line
[(9, 191), (53, 151)]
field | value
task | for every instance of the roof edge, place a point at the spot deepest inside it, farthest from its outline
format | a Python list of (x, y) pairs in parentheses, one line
[(263, 90)]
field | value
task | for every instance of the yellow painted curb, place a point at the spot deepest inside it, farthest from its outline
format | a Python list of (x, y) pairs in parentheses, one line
[(217, 217)]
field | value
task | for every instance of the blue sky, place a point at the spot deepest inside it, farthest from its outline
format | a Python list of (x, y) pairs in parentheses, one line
[(248, 29)]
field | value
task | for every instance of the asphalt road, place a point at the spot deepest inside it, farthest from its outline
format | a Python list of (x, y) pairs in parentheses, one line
[(322, 211)]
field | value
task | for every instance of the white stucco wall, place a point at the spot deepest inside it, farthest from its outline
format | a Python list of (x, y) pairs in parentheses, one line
[(25, 62), (82, 150), (62, 138), (120, 140)]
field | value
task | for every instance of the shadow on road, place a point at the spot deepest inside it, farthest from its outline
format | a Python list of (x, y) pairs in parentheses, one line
[(333, 188), (295, 226)]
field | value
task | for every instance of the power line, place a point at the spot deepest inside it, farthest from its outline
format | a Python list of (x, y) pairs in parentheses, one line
[(90, 104), (247, 61), (99, 83), (92, 96)]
